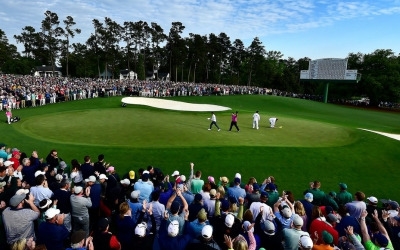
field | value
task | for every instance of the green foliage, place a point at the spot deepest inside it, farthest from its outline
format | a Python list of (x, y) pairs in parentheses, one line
[(211, 58)]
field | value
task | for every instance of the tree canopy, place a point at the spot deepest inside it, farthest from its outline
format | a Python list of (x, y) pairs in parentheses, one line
[(213, 58)]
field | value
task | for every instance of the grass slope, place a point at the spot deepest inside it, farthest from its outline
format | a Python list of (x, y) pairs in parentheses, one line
[(317, 141)]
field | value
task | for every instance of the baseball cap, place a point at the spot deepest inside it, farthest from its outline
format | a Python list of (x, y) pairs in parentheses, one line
[(202, 215), (51, 212), (224, 179), (77, 189), (237, 175), (213, 192), (140, 229), (131, 174), (286, 212), (297, 220), (16, 199), (207, 232), (372, 199), (343, 185), (246, 225), (125, 181), (22, 191), (306, 241), (8, 163), (91, 179), (210, 179), (37, 173), (309, 197), (44, 203), (264, 194), (135, 194), (103, 176), (173, 228), (327, 237), (175, 173), (229, 220), (63, 165), (268, 227), (110, 169)]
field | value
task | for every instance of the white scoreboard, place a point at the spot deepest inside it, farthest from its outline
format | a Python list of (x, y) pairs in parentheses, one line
[(328, 69)]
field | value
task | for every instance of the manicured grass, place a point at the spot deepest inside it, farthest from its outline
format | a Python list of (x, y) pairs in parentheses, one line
[(317, 141)]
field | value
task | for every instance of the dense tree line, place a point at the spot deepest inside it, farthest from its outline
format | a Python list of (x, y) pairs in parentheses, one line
[(212, 58)]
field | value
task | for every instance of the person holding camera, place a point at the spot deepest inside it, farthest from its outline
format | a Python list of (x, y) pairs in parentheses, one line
[(25, 217)]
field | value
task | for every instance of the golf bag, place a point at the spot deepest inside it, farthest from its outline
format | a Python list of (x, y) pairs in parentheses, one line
[(15, 119)]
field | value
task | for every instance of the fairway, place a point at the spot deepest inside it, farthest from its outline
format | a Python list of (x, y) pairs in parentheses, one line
[(317, 141), (133, 126)]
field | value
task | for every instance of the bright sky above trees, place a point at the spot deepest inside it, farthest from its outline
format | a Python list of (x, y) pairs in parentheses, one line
[(309, 28)]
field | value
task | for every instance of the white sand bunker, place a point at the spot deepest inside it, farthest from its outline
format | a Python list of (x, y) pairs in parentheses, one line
[(393, 136), (172, 105)]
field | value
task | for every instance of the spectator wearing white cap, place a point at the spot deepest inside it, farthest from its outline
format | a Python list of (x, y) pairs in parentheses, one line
[(372, 205), (291, 235), (205, 240), (308, 207), (169, 236), (80, 203), (52, 233), (175, 211), (18, 222), (271, 239), (306, 243), (126, 189), (103, 182), (284, 214), (226, 224), (135, 205), (176, 175)]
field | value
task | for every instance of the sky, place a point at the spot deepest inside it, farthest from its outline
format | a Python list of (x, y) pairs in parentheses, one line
[(297, 28)]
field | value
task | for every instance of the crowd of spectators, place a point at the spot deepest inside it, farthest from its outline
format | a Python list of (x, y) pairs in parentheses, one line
[(47, 203), (30, 91)]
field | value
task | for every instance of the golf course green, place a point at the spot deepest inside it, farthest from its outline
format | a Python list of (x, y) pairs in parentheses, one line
[(316, 141)]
